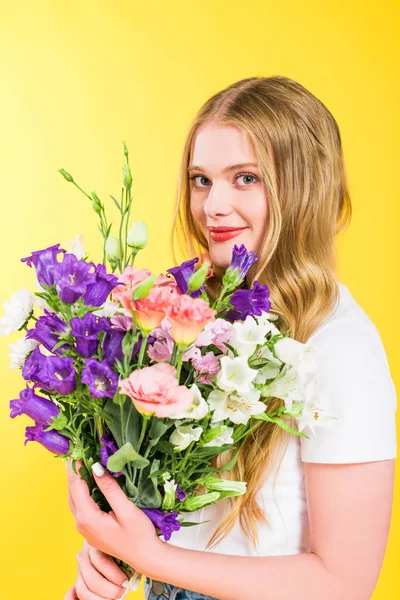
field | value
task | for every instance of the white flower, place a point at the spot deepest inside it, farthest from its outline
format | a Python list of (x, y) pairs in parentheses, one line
[(109, 309), (287, 386), (20, 351), (17, 310), (266, 316), (301, 356), (235, 374), (197, 410), (316, 410), (224, 438), (246, 335), (76, 247), (231, 405), (271, 369), (184, 435)]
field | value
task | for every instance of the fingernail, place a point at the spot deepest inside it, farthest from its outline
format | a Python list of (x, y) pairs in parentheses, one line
[(126, 583), (98, 469)]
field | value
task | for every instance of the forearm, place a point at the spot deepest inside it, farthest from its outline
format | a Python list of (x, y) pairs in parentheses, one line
[(228, 577)]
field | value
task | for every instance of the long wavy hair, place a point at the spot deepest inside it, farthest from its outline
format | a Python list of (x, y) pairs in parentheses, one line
[(298, 147)]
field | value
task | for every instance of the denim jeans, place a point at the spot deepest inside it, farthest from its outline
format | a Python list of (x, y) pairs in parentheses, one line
[(155, 590)]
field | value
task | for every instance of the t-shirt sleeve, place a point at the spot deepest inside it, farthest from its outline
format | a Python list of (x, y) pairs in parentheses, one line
[(353, 372)]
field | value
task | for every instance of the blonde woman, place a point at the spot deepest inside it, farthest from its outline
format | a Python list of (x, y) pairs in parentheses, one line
[(263, 165)]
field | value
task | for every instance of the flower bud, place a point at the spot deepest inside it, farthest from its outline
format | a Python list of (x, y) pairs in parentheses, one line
[(96, 204), (198, 278), (197, 502), (67, 176), (125, 150), (235, 488), (144, 287), (213, 433), (127, 176), (112, 248), (137, 236), (168, 502)]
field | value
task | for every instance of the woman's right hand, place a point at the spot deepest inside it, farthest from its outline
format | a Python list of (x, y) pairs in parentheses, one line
[(99, 577)]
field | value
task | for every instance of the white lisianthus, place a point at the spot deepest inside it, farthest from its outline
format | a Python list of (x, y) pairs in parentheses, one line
[(20, 351), (235, 374), (109, 308), (137, 235), (246, 335), (316, 410), (233, 406), (287, 386), (76, 247), (184, 435), (16, 311), (197, 410), (224, 438), (301, 356)]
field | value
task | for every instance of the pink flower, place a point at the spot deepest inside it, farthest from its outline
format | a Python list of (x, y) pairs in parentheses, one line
[(130, 278), (151, 310), (207, 364), (122, 322), (162, 348), (217, 332), (188, 316), (155, 390)]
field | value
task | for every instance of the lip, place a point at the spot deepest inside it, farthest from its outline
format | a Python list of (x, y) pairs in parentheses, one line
[(221, 229), (222, 234)]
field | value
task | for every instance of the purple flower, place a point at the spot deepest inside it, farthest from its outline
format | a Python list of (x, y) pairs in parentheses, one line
[(241, 262), (72, 278), (51, 373), (44, 262), (112, 346), (166, 523), (182, 274), (37, 408), (180, 494), (108, 449), (86, 331), (58, 374), (101, 380), (52, 440), (46, 329), (249, 302), (33, 365), (98, 291)]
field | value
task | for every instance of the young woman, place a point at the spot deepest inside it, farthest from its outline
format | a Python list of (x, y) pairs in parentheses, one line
[(263, 159)]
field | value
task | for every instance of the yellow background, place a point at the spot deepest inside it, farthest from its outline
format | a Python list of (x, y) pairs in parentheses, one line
[(77, 78)]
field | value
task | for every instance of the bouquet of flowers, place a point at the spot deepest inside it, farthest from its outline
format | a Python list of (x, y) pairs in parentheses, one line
[(147, 375)]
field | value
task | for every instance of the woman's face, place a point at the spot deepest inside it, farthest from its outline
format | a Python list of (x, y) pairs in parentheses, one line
[(225, 194)]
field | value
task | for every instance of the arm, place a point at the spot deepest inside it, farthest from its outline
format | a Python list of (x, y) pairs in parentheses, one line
[(349, 508)]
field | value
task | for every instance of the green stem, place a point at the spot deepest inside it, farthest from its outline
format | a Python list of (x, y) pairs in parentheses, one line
[(142, 350)]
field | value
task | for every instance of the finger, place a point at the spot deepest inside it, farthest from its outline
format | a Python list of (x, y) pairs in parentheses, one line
[(94, 581), (80, 495), (84, 593), (71, 594), (105, 565), (112, 491)]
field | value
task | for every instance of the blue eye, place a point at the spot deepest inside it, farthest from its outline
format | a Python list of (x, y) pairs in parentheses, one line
[(254, 177)]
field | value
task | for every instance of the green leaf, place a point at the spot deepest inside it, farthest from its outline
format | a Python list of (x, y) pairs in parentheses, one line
[(117, 204), (190, 523), (231, 348), (126, 454)]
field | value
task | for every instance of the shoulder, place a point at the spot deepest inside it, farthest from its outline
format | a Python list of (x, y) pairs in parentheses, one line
[(353, 373)]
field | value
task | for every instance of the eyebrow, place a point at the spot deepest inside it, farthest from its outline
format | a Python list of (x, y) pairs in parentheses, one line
[(227, 169)]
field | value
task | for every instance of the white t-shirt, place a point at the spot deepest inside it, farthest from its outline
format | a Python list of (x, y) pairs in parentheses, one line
[(352, 368)]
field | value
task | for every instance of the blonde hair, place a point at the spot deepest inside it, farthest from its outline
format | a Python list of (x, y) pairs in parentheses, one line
[(299, 151)]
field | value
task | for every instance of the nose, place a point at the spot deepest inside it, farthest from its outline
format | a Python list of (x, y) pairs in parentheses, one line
[(217, 202)]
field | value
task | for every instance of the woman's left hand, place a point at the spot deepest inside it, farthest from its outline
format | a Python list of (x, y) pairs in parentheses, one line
[(125, 533)]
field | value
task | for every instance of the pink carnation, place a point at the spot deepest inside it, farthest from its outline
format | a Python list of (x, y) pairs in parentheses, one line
[(188, 316), (151, 310), (130, 278), (155, 390), (217, 332)]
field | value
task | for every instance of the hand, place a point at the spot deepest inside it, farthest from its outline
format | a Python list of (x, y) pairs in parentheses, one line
[(125, 533), (99, 577)]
